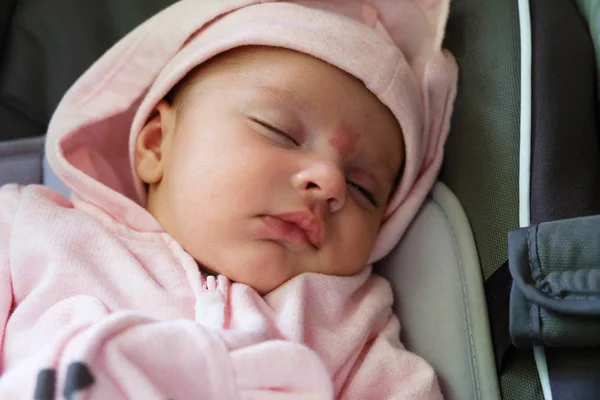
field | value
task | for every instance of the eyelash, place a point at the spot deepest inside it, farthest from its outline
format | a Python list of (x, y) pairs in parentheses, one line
[(364, 192), (277, 131)]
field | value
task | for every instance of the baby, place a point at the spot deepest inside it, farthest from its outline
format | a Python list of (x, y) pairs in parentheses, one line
[(268, 163), (236, 166)]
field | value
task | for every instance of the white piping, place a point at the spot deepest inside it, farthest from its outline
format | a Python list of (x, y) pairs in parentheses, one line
[(525, 146), (525, 161)]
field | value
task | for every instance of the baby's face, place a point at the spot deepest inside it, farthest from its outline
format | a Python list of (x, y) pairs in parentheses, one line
[(274, 164)]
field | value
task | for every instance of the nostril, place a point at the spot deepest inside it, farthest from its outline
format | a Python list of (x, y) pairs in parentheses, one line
[(311, 185), (334, 204)]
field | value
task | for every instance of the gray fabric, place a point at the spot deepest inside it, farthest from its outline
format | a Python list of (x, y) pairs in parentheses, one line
[(568, 245), (14, 124), (524, 321), (21, 161), (6, 8), (555, 299), (568, 331), (482, 153), (439, 299), (590, 9), (565, 153), (574, 373), (519, 380), (565, 162), (49, 44), (52, 181)]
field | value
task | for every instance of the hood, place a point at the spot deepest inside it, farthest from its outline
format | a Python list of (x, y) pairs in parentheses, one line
[(392, 46)]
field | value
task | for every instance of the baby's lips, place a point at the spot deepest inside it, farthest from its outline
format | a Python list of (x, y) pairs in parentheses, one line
[(312, 225)]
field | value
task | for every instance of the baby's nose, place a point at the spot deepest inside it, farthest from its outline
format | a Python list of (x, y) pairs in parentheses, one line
[(322, 182)]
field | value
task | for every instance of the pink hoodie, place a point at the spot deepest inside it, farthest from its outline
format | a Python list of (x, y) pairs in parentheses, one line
[(98, 302)]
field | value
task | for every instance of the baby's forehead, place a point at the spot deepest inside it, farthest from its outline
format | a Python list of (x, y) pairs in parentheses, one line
[(261, 65), (261, 71)]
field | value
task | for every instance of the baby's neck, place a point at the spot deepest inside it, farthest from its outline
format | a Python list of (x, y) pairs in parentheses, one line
[(205, 271)]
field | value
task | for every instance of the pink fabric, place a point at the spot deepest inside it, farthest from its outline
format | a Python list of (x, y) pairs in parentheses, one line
[(393, 46), (71, 276), (72, 271)]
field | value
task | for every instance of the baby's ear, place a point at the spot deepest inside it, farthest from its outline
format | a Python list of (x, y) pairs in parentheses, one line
[(151, 144)]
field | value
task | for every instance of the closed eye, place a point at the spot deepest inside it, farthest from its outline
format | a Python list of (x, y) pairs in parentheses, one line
[(276, 130), (365, 193)]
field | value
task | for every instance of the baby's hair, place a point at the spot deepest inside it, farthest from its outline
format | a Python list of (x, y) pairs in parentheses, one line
[(178, 93)]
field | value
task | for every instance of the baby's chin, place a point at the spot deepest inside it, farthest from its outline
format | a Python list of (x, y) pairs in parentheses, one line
[(268, 265), (252, 280)]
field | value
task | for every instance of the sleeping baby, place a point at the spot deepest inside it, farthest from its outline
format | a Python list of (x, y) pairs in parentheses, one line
[(235, 167)]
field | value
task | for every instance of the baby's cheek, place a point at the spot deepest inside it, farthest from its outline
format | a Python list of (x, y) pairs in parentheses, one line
[(370, 236), (358, 243)]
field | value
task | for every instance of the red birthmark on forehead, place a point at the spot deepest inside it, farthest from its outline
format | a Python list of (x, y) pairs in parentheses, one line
[(344, 139)]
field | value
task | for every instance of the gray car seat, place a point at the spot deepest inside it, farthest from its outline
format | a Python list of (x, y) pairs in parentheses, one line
[(450, 269), (525, 152)]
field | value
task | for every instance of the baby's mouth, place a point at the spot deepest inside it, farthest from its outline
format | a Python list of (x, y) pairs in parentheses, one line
[(301, 228)]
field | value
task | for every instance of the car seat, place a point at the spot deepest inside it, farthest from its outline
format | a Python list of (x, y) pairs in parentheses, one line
[(523, 150)]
